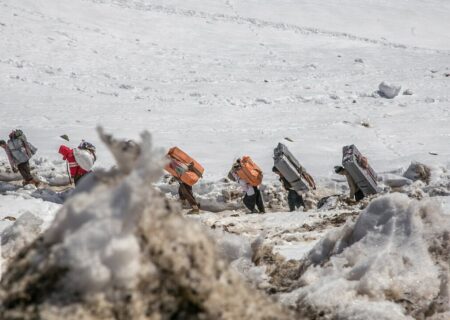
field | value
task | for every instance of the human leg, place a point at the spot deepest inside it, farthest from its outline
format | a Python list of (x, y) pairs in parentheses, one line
[(359, 195), (186, 193), (250, 202), (259, 200)]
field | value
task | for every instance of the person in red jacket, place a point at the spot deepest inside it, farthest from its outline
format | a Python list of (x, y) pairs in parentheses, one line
[(80, 160)]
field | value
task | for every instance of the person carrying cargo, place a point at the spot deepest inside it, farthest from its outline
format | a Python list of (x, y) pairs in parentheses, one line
[(361, 177), (80, 160), (355, 192), (186, 194), (292, 175), (295, 199), (19, 152), (249, 176), (187, 172)]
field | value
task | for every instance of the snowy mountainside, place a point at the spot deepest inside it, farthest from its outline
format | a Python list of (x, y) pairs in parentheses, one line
[(119, 250), (221, 82), (224, 78)]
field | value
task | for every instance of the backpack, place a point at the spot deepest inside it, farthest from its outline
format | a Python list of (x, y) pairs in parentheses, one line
[(84, 158), (183, 167), (16, 134), (20, 148), (250, 172)]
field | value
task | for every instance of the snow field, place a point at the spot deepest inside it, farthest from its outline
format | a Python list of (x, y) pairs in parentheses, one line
[(229, 78)]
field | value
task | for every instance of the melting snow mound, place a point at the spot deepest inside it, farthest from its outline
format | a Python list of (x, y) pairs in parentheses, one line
[(392, 263), (24, 230)]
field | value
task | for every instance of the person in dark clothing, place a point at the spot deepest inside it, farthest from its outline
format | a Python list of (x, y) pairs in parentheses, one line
[(295, 200), (355, 192), (252, 198), (25, 172), (186, 194)]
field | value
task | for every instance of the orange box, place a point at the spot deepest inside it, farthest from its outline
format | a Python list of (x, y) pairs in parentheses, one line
[(250, 172), (183, 167)]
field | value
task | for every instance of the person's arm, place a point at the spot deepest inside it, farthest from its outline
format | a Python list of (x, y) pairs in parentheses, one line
[(363, 162), (64, 151), (309, 179), (23, 140), (285, 183), (11, 160)]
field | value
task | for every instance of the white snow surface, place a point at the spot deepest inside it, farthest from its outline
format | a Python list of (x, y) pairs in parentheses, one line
[(360, 269), (194, 75), (224, 78), (95, 229)]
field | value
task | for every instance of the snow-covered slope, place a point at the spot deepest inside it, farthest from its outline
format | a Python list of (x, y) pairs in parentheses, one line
[(223, 78), (229, 77)]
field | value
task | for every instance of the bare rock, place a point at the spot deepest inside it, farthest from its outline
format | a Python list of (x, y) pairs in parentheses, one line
[(418, 171), (388, 90), (408, 92)]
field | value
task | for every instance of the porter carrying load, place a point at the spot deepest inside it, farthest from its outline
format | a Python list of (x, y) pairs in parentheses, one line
[(359, 169), (289, 167), (19, 152), (21, 149), (183, 167), (248, 171), (249, 176), (80, 160)]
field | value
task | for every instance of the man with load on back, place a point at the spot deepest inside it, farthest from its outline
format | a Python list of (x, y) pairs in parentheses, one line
[(187, 172), (186, 194), (292, 175), (19, 152), (249, 177), (355, 192), (80, 160), (295, 199)]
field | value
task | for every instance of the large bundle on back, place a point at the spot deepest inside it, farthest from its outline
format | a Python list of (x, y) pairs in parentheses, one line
[(359, 169), (20, 148), (289, 167), (84, 158), (183, 167), (248, 171)]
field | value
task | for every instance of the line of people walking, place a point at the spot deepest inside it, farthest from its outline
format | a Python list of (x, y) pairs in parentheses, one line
[(294, 178), (19, 151), (187, 171)]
